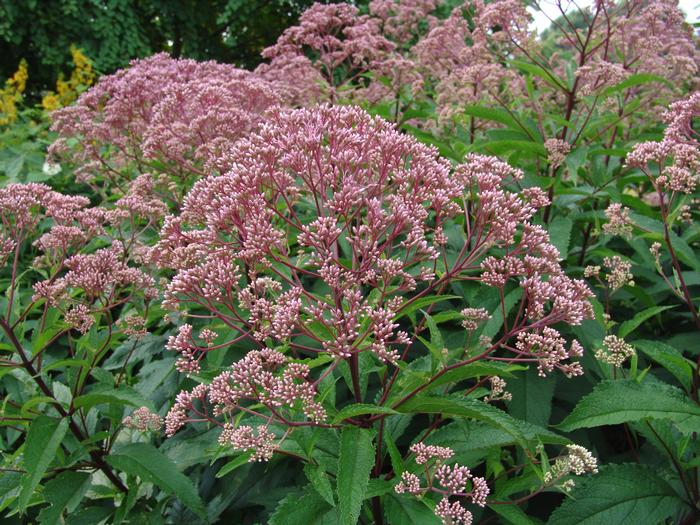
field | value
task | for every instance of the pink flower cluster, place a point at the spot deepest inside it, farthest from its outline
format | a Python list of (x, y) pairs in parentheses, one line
[(401, 20), (461, 60), (344, 45), (182, 113), (262, 378), (81, 282), (454, 481), (332, 174), (328, 224), (22, 206), (679, 145), (143, 420)]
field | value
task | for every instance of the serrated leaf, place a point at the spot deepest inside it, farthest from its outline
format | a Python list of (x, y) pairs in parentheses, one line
[(123, 395), (396, 459), (150, 464), (405, 510), (493, 325), (631, 325), (43, 439), (359, 409), (232, 465), (354, 465), (477, 369), (378, 487), (620, 494), (423, 302), (458, 406), (65, 491), (623, 401), (307, 509), (532, 397), (670, 358), (494, 114), (316, 474), (548, 76), (560, 234), (512, 514), (632, 81)]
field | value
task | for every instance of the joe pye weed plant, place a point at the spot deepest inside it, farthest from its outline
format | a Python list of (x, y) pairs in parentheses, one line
[(420, 266)]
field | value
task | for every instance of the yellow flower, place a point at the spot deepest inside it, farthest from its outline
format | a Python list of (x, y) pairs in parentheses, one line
[(12, 94), (50, 101), (67, 91)]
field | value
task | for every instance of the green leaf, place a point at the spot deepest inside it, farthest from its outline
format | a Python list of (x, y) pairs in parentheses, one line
[(477, 369), (437, 343), (422, 302), (632, 81), (458, 406), (406, 510), (232, 465), (493, 325), (43, 439), (631, 325), (620, 494), (499, 147), (307, 509), (472, 440), (622, 401), (670, 358), (124, 395), (532, 397), (512, 514), (316, 474), (493, 114), (548, 76), (396, 459), (147, 462), (378, 487), (65, 491), (359, 409), (354, 465), (560, 234)]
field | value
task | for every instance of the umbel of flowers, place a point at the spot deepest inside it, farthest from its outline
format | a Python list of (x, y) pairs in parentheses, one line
[(327, 228), (162, 115)]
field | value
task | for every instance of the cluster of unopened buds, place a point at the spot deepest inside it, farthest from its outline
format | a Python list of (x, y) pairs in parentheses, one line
[(615, 351), (498, 390), (577, 461), (456, 482), (618, 274), (143, 420), (263, 378)]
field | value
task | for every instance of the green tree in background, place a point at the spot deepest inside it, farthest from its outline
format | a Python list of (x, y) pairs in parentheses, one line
[(111, 32)]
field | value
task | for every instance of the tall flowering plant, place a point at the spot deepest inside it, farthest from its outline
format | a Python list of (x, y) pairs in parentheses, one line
[(331, 247), (268, 308)]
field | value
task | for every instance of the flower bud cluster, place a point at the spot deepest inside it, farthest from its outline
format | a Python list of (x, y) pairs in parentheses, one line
[(679, 146), (578, 461), (615, 352), (143, 420), (454, 481)]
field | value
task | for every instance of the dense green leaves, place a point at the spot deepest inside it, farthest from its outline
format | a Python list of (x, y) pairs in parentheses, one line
[(43, 439), (669, 358), (354, 464), (147, 462), (305, 509), (64, 492), (622, 401), (620, 494), (405, 510), (565, 133)]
